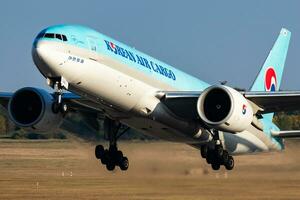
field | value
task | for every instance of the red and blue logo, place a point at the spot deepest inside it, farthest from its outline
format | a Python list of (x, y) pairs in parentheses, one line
[(112, 45), (270, 80), (244, 109)]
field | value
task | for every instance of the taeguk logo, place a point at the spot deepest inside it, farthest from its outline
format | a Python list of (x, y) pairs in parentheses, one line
[(244, 109), (270, 80)]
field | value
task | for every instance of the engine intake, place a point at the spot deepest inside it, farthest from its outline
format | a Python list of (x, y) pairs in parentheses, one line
[(32, 107), (225, 109)]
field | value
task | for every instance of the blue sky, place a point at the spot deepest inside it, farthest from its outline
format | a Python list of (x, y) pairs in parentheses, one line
[(213, 40)]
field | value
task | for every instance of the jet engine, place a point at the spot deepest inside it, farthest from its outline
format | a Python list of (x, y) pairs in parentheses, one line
[(225, 109), (32, 108)]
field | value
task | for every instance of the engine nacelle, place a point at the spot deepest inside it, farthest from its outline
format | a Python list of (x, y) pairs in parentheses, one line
[(225, 109), (32, 108)]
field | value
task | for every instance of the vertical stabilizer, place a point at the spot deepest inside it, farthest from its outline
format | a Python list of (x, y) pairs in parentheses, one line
[(269, 77)]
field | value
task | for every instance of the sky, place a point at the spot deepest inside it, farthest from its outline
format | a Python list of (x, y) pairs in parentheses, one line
[(212, 40)]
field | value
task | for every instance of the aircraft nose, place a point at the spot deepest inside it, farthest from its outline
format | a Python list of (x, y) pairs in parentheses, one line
[(41, 55)]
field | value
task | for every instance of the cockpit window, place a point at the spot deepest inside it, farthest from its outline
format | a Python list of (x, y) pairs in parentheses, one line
[(53, 35), (64, 38), (58, 36), (49, 35)]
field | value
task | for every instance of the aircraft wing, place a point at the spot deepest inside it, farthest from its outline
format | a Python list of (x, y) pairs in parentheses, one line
[(75, 102), (184, 103), (275, 101), (286, 134), (4, 98), (181, 103)]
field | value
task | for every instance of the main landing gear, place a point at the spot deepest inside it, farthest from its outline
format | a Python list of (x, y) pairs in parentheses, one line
[(112, 157), (217, 156)]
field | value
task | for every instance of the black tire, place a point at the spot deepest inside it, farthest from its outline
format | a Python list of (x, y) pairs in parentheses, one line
[(209, 158), (229, 165), (99, 151), (219, 151), (119, 156), (215, 166), (225, 157), (55, 107), (203, 151), (124, 164), (63, 108), (105, 158), (110, 166)]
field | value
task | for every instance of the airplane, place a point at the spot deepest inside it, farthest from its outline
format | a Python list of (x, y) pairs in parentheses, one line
[(95, 74)]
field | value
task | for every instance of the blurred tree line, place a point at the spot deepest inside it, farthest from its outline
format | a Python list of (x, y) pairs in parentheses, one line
[(3, 124), (82, 127), (288, 120)]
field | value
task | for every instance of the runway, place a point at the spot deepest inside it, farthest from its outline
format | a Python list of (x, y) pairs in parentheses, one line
[(158, 170)]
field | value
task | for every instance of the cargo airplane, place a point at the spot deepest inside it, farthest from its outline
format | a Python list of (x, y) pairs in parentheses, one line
[(95, 74)]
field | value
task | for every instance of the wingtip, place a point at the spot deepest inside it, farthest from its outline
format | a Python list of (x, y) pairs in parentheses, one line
[(285, 32)]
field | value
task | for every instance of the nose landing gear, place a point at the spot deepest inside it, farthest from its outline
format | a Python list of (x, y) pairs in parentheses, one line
[(112, 157), (58, 84)]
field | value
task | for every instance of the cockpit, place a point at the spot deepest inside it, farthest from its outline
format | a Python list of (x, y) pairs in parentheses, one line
[(52, 35)]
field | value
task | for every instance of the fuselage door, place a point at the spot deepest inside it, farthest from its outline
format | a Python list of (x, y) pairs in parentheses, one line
[(93, 48)]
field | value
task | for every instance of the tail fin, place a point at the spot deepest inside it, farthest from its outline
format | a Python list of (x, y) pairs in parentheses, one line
[(269, 77)]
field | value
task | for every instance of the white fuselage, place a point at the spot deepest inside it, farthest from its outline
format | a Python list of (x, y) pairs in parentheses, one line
[(125, 94)]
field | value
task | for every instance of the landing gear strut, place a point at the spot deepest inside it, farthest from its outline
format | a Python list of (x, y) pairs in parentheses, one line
[(112, 157), (217, 156), (58, 84)]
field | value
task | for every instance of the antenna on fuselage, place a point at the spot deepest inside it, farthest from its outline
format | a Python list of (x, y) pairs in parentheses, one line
[(223, 82)]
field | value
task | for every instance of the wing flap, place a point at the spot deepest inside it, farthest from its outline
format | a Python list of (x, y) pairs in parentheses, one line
[(275, 101), (181, 103)]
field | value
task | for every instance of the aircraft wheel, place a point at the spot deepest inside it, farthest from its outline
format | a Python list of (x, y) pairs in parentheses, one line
[(215, 166), (209, 157), (55, 108), (119, 156), (225, 157), (203, 151), (219, 151), (63, 107), (229, 165), (105, 157), (124, 164), (99, 151), (110, 166), (59, 107)]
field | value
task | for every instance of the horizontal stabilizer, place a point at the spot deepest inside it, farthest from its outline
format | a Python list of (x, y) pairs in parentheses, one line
[(286, 134)]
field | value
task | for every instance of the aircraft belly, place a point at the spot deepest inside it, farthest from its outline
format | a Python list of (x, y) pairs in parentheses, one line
[(243, 143), (160, 131)]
